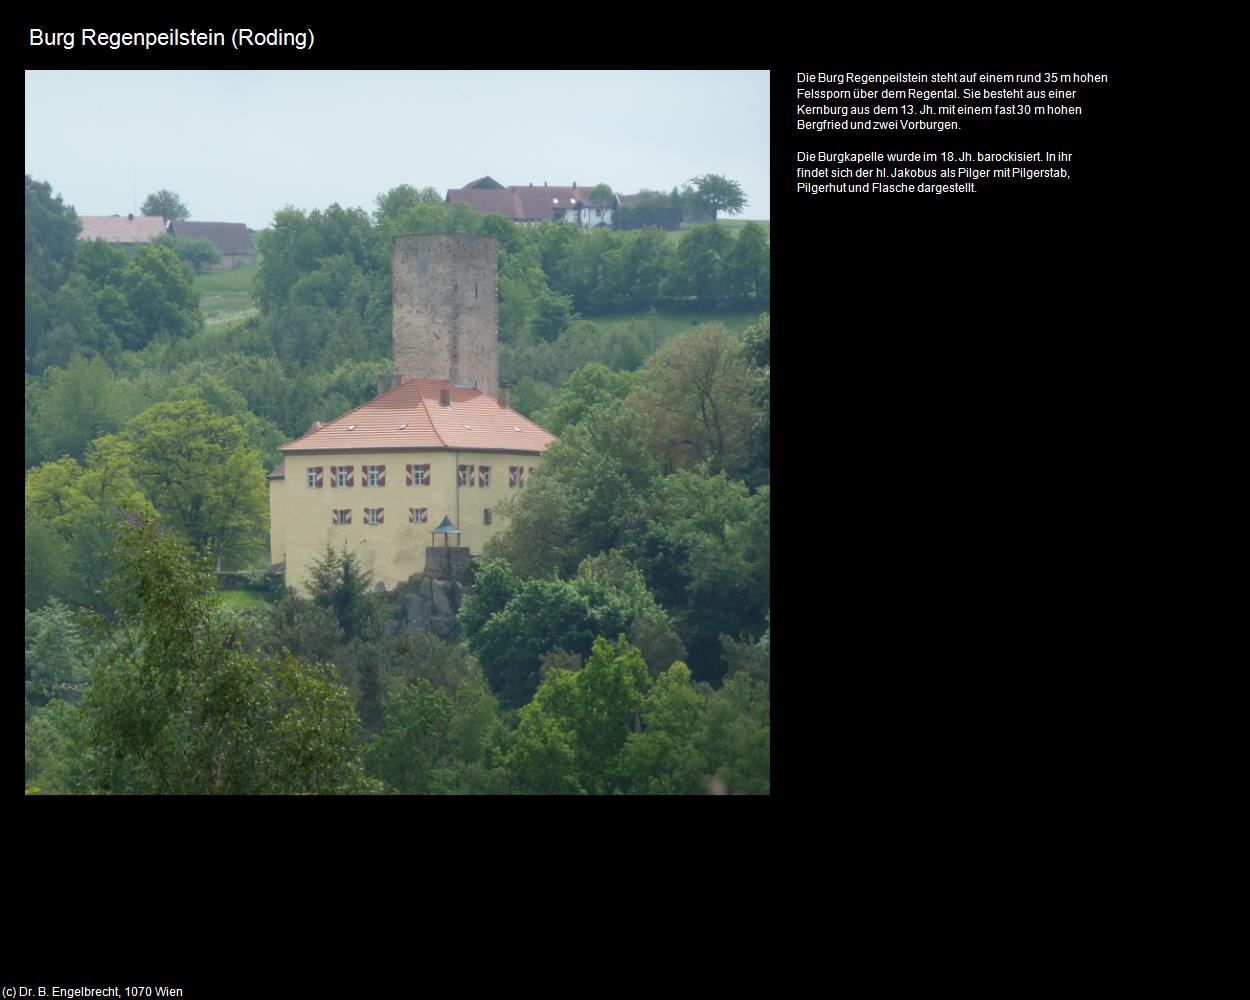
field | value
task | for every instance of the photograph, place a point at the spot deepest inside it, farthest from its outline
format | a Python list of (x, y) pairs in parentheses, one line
[(395, 432)]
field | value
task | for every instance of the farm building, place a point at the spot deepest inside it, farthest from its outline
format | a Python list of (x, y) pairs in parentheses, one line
[(536, 204), (435, 447), (122, 231), (231, 238)]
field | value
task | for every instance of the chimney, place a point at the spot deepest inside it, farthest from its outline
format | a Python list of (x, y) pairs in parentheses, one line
[(314, 426), (444, 397), (575, 184), (130, 216), (505, 398)]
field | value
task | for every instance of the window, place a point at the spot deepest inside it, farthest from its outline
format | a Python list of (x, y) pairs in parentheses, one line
[(373, 475), (418, 515), (373, 515), (486, 516), (341, 475), (466, 475), (516, 476), (341, 517), (483, 476), (314, 478), (417, 475)]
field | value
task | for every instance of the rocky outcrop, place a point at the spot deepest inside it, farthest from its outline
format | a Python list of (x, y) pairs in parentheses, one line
[(431, 605)]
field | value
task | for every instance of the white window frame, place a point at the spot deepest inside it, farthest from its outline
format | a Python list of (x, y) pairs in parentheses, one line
[(374, 475), (418, 474), (340, 472), (312, 478), (371, 515), (483, 475)]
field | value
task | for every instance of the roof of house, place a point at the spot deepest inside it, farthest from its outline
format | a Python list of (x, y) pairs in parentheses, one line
[(279, 471), (411, 416), (121, 228), (228, 237), (527, 203)]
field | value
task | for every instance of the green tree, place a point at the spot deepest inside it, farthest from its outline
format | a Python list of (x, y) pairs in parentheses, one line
[(695, 395), (718, 194), (167, 205), (82, 402), (570, 737), (202, 476), (160, 294), (747, 268), (588, 496), (193, 252), (699, 271), (175, 707), (54, 654), (587, 388), (672, 712), (340, 584), (415, 739), (607, 597), (51, 233)]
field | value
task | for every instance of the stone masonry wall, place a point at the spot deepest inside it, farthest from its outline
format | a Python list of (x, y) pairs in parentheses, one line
[(445, 309)]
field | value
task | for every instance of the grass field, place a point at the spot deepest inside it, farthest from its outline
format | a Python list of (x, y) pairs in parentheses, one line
[(733, 225), (670, 322), (226, 296)]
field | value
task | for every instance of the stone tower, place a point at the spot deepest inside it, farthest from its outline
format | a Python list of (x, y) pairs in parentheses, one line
[(445, 309)]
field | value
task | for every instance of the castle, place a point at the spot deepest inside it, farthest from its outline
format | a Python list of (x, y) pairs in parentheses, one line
[(438, 447)]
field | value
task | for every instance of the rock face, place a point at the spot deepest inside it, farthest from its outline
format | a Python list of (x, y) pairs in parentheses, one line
[(432, 604)]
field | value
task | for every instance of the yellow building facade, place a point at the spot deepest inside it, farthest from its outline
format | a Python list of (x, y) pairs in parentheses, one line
[(379, 479)]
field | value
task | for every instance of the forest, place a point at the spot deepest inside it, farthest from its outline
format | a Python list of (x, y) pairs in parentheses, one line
[(617, 640)]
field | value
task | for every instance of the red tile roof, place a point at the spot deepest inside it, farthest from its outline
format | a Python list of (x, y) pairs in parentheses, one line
[(526, 203), (121, 228), (490, 427)]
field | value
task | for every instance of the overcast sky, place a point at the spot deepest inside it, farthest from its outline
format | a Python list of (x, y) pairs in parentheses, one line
[(236, 146)]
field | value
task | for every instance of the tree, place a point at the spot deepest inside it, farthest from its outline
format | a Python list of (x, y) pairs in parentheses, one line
[(700, 270), (590, 386), (607, 597), (51, 234), (167, 205), (194, 252), (82, 402), (175, 707), (587, 497), (200, 473), (159, 291), (601, 193), (54, 653), (340, 584), (715, 193), (569, 738), (672, 712), (747, 267), (695, 397)]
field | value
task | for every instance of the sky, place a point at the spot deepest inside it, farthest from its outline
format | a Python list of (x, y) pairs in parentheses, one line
[(237, 146)]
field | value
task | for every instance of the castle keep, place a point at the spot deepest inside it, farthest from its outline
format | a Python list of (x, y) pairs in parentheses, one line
[(436, 442), (445, 309)]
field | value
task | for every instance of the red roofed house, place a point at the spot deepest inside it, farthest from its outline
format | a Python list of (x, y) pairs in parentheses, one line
[(380, 478), (125, 232), (535, 204)]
